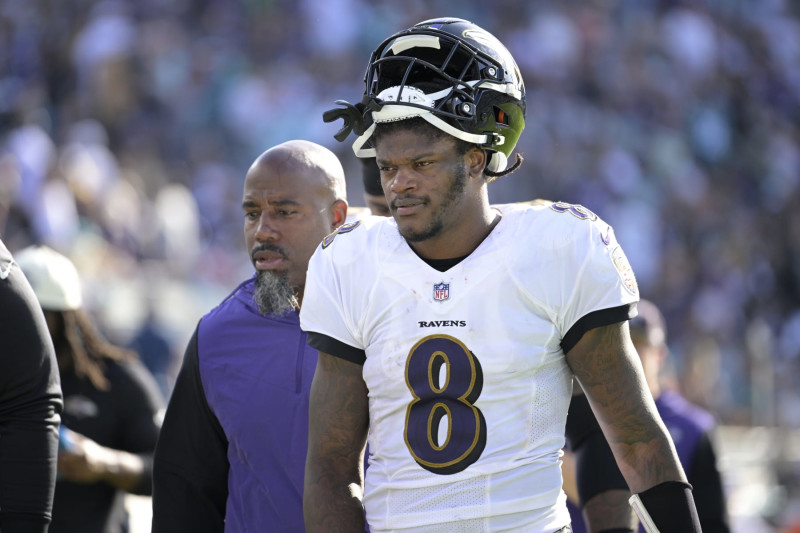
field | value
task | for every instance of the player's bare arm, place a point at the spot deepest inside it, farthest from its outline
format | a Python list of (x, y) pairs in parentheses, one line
[(338, 422), (606, 365), (605, 510)]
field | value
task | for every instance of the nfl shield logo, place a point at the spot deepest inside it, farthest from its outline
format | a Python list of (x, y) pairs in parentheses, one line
[(441, 291)]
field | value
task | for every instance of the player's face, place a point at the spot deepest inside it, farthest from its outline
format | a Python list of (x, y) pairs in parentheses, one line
[(286, 215), (425, 181)]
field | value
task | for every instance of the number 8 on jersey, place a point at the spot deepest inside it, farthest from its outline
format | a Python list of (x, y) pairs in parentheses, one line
[(435, 397)]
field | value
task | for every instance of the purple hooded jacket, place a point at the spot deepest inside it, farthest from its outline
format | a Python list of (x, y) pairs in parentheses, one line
[(232, 449)]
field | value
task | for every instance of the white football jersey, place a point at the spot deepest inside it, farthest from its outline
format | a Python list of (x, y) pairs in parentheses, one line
[(468, 382)]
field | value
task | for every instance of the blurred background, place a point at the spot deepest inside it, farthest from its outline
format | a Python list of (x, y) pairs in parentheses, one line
[(126, 129)]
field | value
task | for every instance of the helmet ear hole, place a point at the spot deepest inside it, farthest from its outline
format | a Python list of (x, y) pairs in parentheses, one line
[(500, 116)]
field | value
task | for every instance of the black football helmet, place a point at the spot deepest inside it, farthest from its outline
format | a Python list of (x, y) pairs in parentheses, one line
[(450, 72)]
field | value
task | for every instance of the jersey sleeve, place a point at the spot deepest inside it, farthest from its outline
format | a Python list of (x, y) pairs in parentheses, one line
[(581, 270), (327, 312), (600, 287)]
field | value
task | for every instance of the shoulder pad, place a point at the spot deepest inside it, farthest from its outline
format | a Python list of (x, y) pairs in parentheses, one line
[(344, 228)]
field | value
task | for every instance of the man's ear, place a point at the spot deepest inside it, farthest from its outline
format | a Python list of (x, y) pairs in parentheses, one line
[(338, 213), (476, 161)]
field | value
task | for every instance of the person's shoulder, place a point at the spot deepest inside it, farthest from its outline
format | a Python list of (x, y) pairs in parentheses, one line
[(244, 290), (240, 298), (548, 211), (353, 238), (129, 374), (536, 204), (552, 224)]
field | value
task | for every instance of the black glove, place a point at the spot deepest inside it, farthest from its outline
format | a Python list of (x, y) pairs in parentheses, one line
[(353, 116)]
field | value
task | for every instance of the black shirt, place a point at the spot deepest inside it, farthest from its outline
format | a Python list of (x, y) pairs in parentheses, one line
[(125, 417), (30, 403)]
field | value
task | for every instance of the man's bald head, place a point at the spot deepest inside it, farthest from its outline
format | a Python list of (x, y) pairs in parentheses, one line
[(317, 164)]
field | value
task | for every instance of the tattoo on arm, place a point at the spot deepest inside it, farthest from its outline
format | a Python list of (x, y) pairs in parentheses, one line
[(338, 422), (609, 370)]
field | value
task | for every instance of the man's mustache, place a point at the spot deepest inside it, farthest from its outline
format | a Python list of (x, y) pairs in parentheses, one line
[(267, 248), (403, 201)]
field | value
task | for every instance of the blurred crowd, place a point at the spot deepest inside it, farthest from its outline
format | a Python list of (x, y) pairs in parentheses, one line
[(126, 128)]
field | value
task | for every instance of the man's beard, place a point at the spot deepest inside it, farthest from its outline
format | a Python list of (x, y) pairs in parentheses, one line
[(436, 225), (274, 295)]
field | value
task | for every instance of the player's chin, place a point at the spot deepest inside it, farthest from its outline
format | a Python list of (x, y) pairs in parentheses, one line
[(405, 227), (414, 233)]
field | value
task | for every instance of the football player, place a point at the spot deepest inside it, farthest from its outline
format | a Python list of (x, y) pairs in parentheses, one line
[(451, 333), (600, 490)]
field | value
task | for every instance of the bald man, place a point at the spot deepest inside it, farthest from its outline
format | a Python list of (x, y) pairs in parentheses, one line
[(232, 449)]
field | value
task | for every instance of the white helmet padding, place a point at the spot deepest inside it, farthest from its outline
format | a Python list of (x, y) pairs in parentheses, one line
[(394, 112)]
